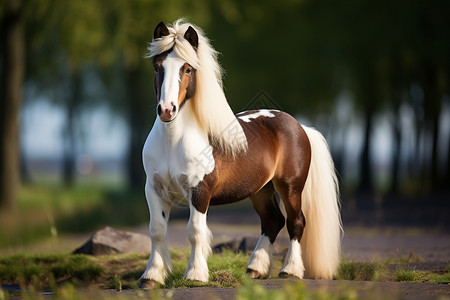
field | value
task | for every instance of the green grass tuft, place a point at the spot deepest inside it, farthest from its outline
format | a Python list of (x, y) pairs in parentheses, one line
[(226, 270), (41, 270), (440, 278), (365, 271), (419, 276), (412, 275)]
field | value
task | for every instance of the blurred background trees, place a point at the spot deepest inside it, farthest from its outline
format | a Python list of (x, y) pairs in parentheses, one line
[(356, 70)]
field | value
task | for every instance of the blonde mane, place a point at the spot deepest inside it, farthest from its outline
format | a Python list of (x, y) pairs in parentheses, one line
[(210, 105)]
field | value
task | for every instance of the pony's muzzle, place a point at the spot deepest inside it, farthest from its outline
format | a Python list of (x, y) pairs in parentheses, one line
[(166, 112)]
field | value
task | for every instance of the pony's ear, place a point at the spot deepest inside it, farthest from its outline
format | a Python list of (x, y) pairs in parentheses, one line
[(160, 30), (191, 36)]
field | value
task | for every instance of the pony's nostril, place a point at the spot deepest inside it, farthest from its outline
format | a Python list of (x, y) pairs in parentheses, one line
[(159, 109), (174, 108)]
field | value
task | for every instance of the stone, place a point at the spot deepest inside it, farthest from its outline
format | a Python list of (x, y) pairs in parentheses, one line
[(245, 244), (248, 244), (112, 241)]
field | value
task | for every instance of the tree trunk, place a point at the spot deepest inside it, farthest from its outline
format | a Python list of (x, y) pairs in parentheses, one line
[(365, 162), (432, 108), (397, 131), (435, 178), (365, 190), (139, 117), (69, 134), (446, 178), (11, 99), (396, 94), (416, 163)]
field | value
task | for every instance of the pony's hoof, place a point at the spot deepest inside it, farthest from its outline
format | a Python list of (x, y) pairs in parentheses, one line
[(253, 274), (148, 284)]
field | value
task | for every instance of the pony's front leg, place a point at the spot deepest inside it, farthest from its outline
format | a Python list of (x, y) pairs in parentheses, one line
[(159, 264), (200, 237)]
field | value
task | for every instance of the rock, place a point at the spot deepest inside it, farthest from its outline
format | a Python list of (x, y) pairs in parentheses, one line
[(112, 241), (248, 244), (232, 245), (245, 244)]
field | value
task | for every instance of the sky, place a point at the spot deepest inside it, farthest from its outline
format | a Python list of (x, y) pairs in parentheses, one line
[(101, 136)]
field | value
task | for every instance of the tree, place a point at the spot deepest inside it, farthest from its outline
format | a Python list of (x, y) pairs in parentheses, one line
[(67, 40), (12, 73)]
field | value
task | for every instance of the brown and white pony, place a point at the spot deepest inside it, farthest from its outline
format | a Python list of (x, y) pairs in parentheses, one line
[(199, 153)]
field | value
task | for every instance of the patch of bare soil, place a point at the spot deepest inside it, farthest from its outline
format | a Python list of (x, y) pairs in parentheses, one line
[(364, 290)]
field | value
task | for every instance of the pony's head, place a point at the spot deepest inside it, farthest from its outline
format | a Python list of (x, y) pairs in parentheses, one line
[(174, 75), (186, 69)]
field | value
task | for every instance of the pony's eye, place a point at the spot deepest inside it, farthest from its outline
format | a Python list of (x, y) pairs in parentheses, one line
[(188, 71), (156, 69)]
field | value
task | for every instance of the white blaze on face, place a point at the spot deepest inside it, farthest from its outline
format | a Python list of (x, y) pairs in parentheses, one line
[(262, 112), (171, 83)]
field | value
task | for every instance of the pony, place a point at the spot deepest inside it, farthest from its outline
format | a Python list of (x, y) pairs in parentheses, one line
[(200, 153)]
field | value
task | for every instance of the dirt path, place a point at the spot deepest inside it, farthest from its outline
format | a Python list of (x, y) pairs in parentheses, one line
[(363, 290), (359, 243)]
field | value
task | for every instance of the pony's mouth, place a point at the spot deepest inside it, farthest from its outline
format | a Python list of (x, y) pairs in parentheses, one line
[(167, 120)]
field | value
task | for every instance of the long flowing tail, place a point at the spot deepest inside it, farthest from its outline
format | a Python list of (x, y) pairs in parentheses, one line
[(321, 241)]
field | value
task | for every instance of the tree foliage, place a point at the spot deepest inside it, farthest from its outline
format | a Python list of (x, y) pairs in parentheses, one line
[(303, 53)]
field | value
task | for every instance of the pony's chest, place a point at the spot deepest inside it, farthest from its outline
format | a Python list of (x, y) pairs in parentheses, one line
[(173, 169)]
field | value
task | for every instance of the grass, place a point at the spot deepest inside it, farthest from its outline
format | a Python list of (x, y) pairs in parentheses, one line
[(362, 271), (227, 270), (419, 276), (380, 271), (64, 274), (43, 271)]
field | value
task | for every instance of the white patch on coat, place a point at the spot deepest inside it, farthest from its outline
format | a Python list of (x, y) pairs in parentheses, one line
[(262, 112)]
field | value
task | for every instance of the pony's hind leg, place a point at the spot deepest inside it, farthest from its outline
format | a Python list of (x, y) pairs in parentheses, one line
[(272, 221), (159, 264), (291, 196)]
